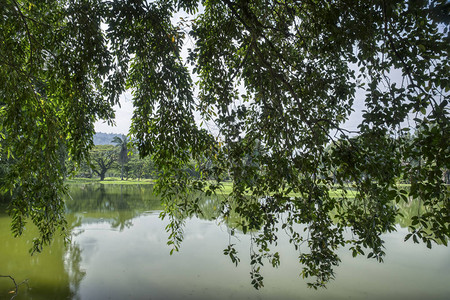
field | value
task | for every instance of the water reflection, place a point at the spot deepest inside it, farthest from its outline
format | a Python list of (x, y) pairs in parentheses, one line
[(57, 272), (119, 251), (411, 209), (115, 204), (53, 274)]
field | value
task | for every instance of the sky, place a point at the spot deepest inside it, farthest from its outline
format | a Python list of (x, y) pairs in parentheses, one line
[(124, 112), (123, 117)]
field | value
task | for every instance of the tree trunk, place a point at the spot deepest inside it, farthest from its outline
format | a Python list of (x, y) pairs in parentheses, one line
[(447, 177)]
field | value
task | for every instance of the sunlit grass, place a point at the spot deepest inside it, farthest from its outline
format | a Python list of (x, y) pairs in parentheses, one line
[(226, 186), (108, 180)]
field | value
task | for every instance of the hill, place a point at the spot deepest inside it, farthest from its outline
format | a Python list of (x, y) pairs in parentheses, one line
[(101, 138)]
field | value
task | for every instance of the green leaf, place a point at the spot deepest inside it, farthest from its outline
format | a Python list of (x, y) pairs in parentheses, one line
[(408, 236)]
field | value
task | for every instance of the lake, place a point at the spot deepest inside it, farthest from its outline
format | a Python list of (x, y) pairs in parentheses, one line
[(119, 251)]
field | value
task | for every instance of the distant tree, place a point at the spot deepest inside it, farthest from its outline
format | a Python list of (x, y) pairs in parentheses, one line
[(122, 144), (103, 159), (141, 167)]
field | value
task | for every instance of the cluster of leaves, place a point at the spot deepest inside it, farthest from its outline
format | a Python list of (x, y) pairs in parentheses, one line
[(301, 65), (277, 78), (54, 65)]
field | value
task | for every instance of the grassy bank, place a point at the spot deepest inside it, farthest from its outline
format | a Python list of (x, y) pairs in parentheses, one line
[(227, 186), (108, 180)]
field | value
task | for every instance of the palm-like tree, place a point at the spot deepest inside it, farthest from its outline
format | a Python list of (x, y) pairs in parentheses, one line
[(123, 151)]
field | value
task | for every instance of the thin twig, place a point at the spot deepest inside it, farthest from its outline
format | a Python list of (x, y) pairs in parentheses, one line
[(16, 290)]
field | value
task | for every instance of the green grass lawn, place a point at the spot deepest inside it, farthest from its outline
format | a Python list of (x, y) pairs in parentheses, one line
[(227, 186), (108, 180)]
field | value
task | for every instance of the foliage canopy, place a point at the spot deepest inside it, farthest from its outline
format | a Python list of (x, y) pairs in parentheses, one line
[(277, 78)]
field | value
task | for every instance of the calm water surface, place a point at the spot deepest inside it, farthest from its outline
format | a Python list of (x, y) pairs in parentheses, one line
[(119, 251)]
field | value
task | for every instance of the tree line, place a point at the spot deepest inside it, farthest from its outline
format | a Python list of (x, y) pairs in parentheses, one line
[(116, 160)]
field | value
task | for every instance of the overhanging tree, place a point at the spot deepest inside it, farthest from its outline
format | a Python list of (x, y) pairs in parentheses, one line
[(282, 74)]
